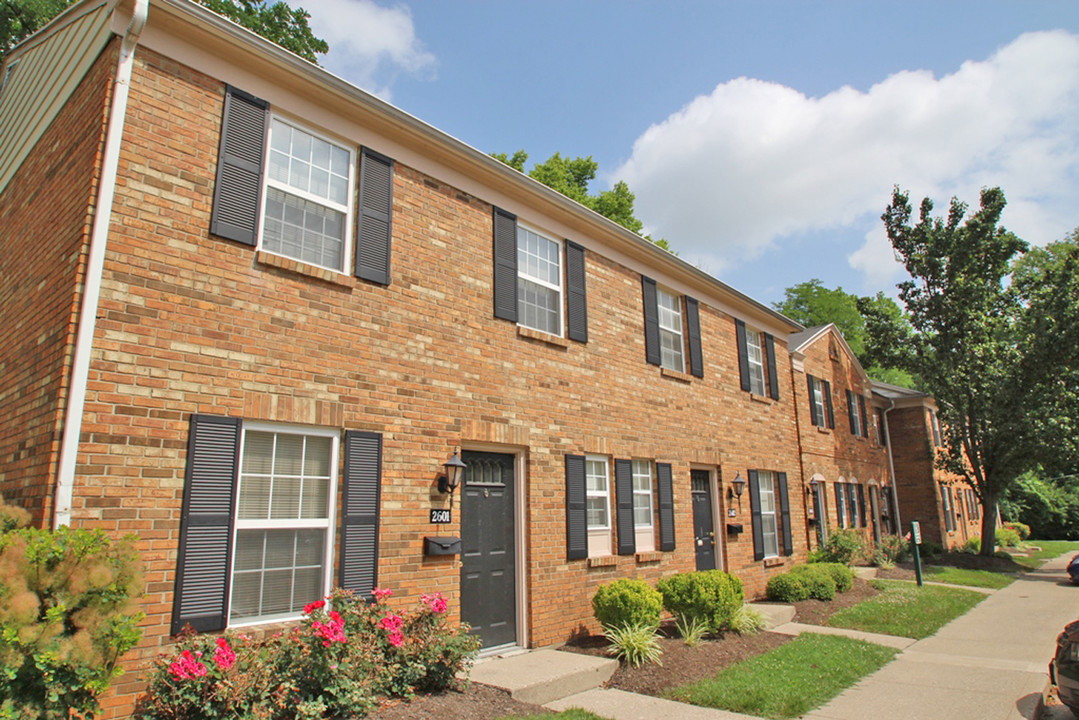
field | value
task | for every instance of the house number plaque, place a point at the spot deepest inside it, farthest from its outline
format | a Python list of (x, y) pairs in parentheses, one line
[(440, 516)]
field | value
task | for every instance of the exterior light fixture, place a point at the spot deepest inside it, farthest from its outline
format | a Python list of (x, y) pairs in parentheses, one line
[(451, 478), (739, 484), (814, 484)]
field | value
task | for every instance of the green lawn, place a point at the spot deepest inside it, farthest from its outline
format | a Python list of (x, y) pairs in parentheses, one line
[(1049, 550), (970, 578), (571, 714), (790, 680), (904, 609)]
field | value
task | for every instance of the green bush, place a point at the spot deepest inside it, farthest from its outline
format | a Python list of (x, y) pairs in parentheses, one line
[(634, 644), (1050, 508), (972, 546), (818, 580), (894, 548), (336, 663), (626, 602), (844, 545), (841, 575), (67, 614), (710, 595), (788, 587), (1022, 528), (930, 549), (1006, 537)]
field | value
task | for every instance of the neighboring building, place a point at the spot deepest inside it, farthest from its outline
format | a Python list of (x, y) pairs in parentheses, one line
[(943, 503), (248, 311), (843, 447)]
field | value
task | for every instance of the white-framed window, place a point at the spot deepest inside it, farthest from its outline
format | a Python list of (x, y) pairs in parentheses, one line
[(670, 330), (539, 281), (855, 416), (818, 403), (643, 525), (598, 505), (769, 526), (755, 355), (855, 510), (307, 210), (841, 504), (283, 547)]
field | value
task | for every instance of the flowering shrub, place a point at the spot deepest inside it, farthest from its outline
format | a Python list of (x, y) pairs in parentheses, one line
[(342, 657)]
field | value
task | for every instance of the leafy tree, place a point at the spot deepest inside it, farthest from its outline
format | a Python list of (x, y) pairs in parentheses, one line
[(974, 342), (811, 304), (277, 22), (571, 177)]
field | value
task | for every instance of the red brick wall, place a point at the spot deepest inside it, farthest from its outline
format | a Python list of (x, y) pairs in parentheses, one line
[(45, 215), (193, 323)]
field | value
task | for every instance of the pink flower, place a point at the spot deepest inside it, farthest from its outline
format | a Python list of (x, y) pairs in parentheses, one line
[(381, 594), (391, 622), (187, 667), (397, 638), (311, 607), (224, 656), (436, 603), (331, 632)]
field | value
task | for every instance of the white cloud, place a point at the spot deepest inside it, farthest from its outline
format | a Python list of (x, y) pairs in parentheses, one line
[(733, 173), (369, 44)]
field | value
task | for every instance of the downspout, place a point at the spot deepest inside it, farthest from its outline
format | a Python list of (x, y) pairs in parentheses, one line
[(891, 468), (95, 264)]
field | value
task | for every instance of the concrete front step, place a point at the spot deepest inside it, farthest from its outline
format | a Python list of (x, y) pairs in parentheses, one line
[(543, 676), (775, 614)]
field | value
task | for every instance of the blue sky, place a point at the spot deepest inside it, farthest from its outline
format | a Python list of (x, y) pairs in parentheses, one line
[(762, 138)]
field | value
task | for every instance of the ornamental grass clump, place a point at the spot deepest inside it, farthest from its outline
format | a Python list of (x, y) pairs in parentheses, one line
[(629, 611), (67, 614)]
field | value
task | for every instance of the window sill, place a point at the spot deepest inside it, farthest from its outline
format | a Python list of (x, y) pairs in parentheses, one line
[(649, 557), (602, 561), (301, 268), (676, 375), (542, 337), (826, 431), (773, 562), (761, 398)]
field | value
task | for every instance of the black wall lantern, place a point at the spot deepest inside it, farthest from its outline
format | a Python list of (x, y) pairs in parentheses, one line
[(739, 485), (813, 485), (451, 478)]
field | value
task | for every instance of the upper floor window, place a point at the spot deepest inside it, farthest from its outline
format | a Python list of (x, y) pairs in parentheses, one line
[(642, 506), (598, 505), (757, 361), (819, 411), (539, 282), (307, 209), (670, 330), (882, 428)]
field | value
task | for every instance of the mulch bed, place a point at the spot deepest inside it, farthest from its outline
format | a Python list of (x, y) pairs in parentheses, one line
[(475, 702)]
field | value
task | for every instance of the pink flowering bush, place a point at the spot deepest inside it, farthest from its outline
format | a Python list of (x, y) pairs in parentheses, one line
[(341, 659)]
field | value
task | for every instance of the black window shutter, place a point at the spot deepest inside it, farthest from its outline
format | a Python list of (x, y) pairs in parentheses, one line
[(376, 217), (651, 321), (576, 297), (505, 256), (359, 514), (623, 487), (693, 332), (576, 517), (743, 353), (861, 505), (851, 413), (828, 402), (773, 374), (861, 411), (665, 490), (785, 509), (755, 515), (240, 160), (839, 505), (814, 418), (201, 596)]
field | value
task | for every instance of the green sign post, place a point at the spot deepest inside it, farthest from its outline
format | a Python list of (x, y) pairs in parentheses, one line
[(915, 541)]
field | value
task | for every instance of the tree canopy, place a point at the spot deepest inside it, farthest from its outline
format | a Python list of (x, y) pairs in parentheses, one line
[(571, 177), (277, 22)]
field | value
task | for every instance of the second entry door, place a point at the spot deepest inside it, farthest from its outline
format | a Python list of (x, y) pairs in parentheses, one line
[(704, 533)]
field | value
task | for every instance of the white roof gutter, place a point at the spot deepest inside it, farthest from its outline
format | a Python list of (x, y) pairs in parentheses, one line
[(99, 233)]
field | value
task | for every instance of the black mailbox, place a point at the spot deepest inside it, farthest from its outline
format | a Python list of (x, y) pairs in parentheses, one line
[(734, 528), (442, 546)]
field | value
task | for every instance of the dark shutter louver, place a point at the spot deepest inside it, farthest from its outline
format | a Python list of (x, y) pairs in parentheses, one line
[(576, 515), (651, 321), (755, 515), (743, 354), (576, 297), (665, 491), (814, 416), (240, 159), (861, 410), (623, 487), (861, 506), (360, 510), (693, 332), (376, 218), (201, 596), (773, 374), (828, 402), (785, 510), (505, 256), (852, 409)]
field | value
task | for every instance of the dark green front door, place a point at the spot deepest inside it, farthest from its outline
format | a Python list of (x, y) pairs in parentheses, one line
[(488, 567), (704, 535)]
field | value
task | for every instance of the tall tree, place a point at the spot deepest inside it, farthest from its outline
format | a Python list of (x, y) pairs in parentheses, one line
[(964, 315), (572, 176), (277, 22)]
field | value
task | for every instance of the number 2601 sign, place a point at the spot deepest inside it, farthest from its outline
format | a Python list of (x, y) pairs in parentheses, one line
[(440, 516)]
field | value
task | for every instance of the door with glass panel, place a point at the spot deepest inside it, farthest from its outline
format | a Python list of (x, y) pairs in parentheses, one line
[(703, 523)]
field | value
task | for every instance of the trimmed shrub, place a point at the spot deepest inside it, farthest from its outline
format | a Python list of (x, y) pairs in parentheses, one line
[(627, 602), (844, 545), (1007, 537), (1021, 528), (710, 595), (818, 580), (972, 546), (787, 587), (893, 548), (841, 575)]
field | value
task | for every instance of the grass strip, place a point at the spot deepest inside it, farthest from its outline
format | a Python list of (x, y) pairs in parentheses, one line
[(970, 578), (1049, 549), (571, 714), (790, 680), (906, 610)]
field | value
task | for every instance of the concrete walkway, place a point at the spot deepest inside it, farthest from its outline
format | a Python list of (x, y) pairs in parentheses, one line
[(990, 664)]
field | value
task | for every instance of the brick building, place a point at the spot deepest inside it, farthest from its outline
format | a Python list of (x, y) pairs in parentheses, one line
[(249, 311), (843, 447), (943, 503)]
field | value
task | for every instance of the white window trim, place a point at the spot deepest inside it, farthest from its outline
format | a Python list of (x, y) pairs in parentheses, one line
[(818, 403), (755, 341), (299, 524), (349, 209), (644, 535), (855, 509), (773, 513), (841, 504), (559, 289), (678, 333), (856, 414), (599, 537)]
